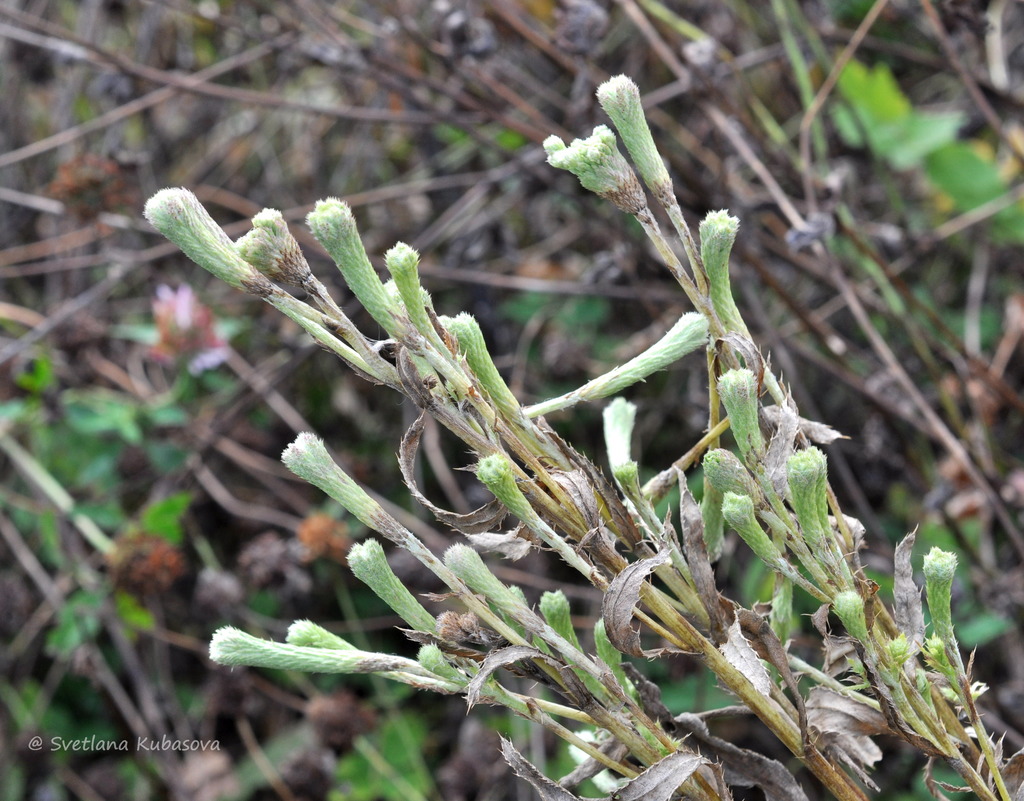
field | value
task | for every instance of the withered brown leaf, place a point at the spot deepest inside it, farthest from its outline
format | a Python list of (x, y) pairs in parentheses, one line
[(907, 595), (620, 602)]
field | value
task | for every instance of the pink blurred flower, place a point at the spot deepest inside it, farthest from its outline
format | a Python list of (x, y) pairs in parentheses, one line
[(186, 330)]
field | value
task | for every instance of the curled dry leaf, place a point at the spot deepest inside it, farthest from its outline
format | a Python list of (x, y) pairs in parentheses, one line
[(499, 659), (818, 433), (509, 544), (478, 521), (620, 602), (842, 728), (752, 357), (741, 655), (743, 767), (718, 608), (770, 648), (782, 446), (907, 596), (661, 780), (546, 789)]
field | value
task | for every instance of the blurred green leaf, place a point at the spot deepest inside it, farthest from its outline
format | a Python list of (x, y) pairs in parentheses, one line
[(78, 622), (163, 518), (879, 112), (134, 615)]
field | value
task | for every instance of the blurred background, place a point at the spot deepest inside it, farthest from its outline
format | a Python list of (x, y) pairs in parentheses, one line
[(143, 405)]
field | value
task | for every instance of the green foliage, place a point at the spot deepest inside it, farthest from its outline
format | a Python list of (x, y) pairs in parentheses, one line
[(880, 116)]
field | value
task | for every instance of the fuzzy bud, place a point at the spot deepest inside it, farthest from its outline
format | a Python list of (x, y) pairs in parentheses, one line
[(308, 634), (271, 249), (599, 165), (466, 563), (738, 391), (939, 570), (620, 99), (370, 566), (738, 511), (308, 458), (495, 471), (403, 262), (849, 608), (179, 216), (230, 646), (807, 471), (619, 416), (726, 473), (471, 342), (554, 606), (717, 235), (334, 226)]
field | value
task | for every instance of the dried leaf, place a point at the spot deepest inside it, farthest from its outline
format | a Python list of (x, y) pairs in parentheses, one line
[(752, 357), (582, 494), (499, 659), (741, 655), (718, 608), (1013, 775), (661, 780), (509, 544), (620, 602), (546, 789), (612, 748), (744, 768), (649, 694), (908, 612), (842, 729), (782, 446), (478, 521), (818, 433), (769, 647)]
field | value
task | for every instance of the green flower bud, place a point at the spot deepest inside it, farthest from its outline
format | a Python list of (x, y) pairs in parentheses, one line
[(808, 489), (433, 659), (554, 606), (271, 249), (495, 471), (599, 165), (726, 473), (714, 524), (717, 235), (230, 646), (619, 416), (939, 570), (738, 391), (471, 342), (179, 216), (402, 262), (620, 99), (898, 650), (307, 634), (466, 563), (738, 511), (370, 566), (334, 226), (689, 333), (849, 608), (308, 458)]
